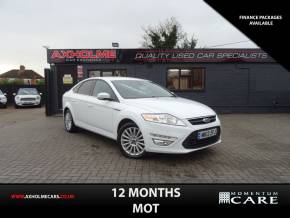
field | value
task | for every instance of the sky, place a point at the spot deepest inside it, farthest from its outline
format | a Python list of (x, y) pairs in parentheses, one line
[(26, 26)]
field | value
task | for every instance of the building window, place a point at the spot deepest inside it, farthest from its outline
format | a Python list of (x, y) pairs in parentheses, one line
[(94, 73), (173, 79), (104, 73), (120, 72), (186, 79)]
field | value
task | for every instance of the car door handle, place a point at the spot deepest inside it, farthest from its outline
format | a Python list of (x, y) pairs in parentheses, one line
[(75, 101), (90, 105)]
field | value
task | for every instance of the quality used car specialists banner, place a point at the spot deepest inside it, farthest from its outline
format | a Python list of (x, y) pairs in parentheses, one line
[(157, 56), (196, 55)]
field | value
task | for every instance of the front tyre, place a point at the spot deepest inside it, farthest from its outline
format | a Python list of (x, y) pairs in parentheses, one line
[(69, 124), (131, 141)]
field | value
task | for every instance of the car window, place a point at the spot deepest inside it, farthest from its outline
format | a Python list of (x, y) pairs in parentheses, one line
[(140, 89), (75, 89), (86, 87), (102, 86), (27, 91)]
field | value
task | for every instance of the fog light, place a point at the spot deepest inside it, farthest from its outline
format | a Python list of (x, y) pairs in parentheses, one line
[(162, 140)]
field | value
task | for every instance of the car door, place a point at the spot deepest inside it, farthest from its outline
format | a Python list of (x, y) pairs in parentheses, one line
[(101, 112), (80, 101)]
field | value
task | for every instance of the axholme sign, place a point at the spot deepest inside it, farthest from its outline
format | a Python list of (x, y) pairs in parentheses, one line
[(80, 55), (157, 56)]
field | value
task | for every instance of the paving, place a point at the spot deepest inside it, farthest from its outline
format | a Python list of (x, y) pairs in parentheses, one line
[(36, 149)]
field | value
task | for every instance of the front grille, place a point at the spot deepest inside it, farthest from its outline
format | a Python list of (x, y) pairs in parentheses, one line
[(27, 99), (202, 120), (192, 142)]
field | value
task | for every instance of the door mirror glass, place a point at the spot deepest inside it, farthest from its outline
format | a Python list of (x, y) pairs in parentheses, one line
[(104, 96)]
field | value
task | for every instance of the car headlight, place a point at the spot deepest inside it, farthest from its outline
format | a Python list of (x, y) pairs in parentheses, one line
[(37, 97), (164, 119), (17, 98)]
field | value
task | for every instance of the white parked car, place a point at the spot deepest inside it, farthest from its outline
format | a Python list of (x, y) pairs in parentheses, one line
[(27, 97), (140, 115), (3, 99)]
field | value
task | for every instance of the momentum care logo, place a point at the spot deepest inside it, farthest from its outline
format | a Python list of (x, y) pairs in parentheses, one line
[(248, 198)]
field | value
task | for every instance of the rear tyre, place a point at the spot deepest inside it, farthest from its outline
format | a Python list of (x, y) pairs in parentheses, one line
[(69, 124), (131, 141)]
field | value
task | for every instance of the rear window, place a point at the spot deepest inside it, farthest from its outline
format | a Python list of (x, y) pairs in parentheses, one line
[(86, 87), (76, 88)]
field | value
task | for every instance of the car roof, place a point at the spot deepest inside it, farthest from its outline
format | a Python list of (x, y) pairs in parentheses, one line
[(112, 78)]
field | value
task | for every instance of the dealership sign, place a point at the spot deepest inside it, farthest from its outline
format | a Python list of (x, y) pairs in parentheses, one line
[(199, 56), (81, 55), (156, 56)]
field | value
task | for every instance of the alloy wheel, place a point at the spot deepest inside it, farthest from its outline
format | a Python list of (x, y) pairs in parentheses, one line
[(132, 141), (68, 121)]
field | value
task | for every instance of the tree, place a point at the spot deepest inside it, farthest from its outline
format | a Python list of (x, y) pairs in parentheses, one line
[(167, 35), (189, 44)]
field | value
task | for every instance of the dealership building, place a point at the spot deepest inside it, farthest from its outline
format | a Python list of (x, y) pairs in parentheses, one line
[(228, 80)]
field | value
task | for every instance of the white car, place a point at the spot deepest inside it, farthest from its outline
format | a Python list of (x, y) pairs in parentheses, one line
[(27, 97), (3, 99), (140, 115)]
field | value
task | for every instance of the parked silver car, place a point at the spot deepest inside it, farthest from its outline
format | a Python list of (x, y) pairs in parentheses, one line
[(27, 97), (3, 99)]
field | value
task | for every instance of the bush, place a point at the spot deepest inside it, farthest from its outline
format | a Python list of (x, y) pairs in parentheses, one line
[(17, 82), (4, 82), (40, 82)]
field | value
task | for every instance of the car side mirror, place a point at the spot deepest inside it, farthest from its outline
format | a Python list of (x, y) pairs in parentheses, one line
[(4, 94), (40, 93), (104, 96), (14, 93)]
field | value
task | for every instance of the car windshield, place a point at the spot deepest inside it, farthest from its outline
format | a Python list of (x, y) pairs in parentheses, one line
[(140, 89), (27, 91), (1, 93)]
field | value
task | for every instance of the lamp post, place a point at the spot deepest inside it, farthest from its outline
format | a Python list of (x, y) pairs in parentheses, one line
[(115, 44), (46, 47)]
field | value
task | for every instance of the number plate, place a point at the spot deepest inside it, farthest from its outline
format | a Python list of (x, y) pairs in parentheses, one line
[(206, 133)]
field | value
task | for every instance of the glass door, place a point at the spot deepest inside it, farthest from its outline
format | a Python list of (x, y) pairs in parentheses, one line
[(106, 73), (94, 73)]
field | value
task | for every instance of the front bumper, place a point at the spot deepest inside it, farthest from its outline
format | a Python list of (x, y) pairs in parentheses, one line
[(27, 103), (183, 139), (3, 103)]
